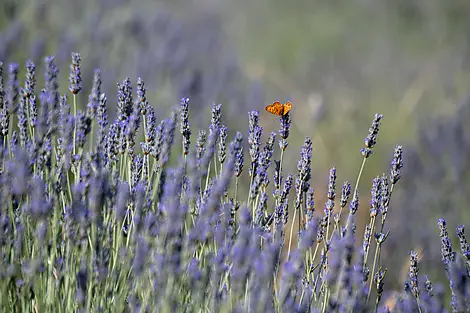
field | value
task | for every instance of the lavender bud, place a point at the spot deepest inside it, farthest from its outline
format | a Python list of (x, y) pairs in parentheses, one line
[(345, 194), (371, 139), (354, 205), (22, 120), (30, 81), (310, 204), (94, 98), (52, 89), (2, 87), (330, 204), (33, 110), (75, 78), (379, 282), (184, 127), (254, 138), (222, 144), (12, 88), (284, 131), (303, 167), (141, 96), (413, 274), (102, 120), (236, 149), (215, 119), (375, 200), (151, 126), (366, 241), (124, 98), (397, 164), (446, 246), (200, 144), (464, 246)]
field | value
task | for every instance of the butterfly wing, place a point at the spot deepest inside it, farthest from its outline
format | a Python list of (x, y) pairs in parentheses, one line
[(276, 108), (286, 107)]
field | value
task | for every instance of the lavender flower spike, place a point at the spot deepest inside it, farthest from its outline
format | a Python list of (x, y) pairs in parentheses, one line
[(184, 127), (75, 76), (284, 131), (371, 139)]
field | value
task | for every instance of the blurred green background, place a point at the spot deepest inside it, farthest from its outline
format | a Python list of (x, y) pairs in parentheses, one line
[(338, 61)]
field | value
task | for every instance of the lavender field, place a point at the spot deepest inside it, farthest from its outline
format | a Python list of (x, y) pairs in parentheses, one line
[(96, 219), (140, 171)]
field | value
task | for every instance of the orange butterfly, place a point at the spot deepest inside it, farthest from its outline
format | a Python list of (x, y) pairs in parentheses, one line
[(278, 108)]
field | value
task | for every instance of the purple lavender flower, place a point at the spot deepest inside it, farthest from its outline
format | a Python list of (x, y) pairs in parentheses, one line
[(446, 246), (397, 164), (215, 118), (158, 142), (151, 126), (169, 136), (9, 107), (371, 139), (52, 88), (141, 96), (12, 88), (122, 201), (95, 95), (413, 274), (83, 129), (236, 150), (124, 98), (375, 193), (261, 209), (44, 119), (184, 127), (33, 111), (254, 139), (132, 128), (330, 204), (303, 167), (222, 144), (366, 241), (75, 78), (102, 119), (200, 144), (268, 149), (345, 193), (2, 87), (354, 205), (464, 246), (287, 187), (23, 120), (384, 196), (379, 282), (30, 81), (309, 204), (284, 131)]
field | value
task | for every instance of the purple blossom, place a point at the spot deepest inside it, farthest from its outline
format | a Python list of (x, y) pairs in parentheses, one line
[(330, 204), (371, 138), (446, 246), (236, 150), (75, 76), (95, 95), (184, 127), (284, 131), (397, 164), (303, 168), (375, 194), (30, 81), (124, 97)]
